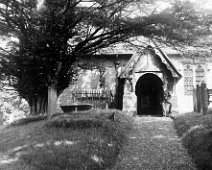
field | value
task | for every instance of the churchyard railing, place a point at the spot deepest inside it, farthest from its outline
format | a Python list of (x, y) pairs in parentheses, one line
[(96, 98)]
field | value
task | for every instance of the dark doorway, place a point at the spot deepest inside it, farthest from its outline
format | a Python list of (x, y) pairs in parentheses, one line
[(149, 92), (119, 94)]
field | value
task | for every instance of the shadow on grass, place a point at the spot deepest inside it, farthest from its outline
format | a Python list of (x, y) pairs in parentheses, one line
[(61, 157), (27, 120)]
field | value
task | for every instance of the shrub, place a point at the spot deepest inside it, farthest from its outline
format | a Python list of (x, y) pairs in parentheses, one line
[(196, 133)]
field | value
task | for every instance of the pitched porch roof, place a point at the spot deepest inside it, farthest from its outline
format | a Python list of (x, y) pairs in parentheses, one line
[(157, 52)]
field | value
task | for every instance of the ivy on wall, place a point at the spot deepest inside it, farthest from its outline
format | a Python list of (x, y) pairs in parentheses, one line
[(97, 74)]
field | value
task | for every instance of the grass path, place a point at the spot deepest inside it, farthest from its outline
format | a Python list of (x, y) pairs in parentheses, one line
[(154, 145)]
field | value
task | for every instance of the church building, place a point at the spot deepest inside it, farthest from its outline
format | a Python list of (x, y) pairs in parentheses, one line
[(134, 82)]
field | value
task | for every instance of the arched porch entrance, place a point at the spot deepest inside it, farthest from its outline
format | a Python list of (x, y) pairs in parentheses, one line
[(149, 92)]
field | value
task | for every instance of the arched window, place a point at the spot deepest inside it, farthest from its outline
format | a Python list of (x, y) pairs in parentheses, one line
[(199, 74), (188, 80)]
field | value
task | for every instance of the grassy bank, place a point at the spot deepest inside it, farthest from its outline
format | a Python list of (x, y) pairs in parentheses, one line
[(196, 133), (85, 140)]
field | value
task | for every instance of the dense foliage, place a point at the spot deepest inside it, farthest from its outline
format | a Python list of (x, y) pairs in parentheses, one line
[(12, 107), (195, 131)]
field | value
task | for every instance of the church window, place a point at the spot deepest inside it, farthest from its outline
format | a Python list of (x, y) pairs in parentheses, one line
[(199, 74), (188, 80)]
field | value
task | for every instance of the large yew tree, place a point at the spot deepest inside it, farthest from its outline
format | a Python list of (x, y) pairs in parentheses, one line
[(51, 34)]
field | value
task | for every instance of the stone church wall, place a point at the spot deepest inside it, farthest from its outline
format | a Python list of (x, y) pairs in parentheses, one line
[(193, 71), (91, 78)]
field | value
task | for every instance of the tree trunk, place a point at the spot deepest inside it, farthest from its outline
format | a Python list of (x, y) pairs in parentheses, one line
[(38, 104), (41, 104), (52, 101)]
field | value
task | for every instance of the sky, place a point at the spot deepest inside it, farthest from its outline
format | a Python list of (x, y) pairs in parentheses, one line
[(205, 4), (40, 3)]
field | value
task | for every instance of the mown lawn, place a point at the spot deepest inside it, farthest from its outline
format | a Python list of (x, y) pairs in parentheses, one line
[(196, 133), (81, 141)]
